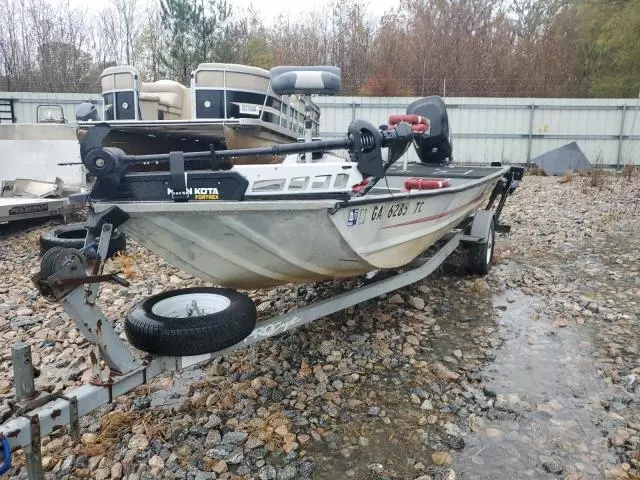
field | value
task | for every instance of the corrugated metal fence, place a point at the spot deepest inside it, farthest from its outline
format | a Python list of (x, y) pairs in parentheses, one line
[(511, 130)]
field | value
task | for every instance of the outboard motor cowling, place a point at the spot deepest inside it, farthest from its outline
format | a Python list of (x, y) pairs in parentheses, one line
[(86, 112), (433, 147)]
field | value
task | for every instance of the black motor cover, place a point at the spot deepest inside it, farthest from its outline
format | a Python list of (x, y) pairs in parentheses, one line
[(86, 111), (433, 147)]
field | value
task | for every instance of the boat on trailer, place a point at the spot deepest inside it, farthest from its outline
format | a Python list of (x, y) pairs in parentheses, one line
[(226, 105), (307, 219), (312, 217)]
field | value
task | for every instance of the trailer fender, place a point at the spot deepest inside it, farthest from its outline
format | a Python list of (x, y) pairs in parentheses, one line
[(481, 225)]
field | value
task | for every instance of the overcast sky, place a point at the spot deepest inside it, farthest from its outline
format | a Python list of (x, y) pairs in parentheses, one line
[(269, 9)]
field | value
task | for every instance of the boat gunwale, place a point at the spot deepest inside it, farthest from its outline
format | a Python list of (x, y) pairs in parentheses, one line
[(472, 183), (284, 203)]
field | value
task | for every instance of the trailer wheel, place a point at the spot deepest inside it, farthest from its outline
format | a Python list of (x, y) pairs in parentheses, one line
[(73, 235), (190, 321), (480, 255)]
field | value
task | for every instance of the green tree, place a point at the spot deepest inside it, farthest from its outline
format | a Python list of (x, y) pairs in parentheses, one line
[(194, 30), (619, 47)]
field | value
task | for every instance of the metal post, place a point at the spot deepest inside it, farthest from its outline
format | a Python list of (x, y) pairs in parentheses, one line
[(98, 330), (353, 110), (308, 126), (530, 141), (25, 390), (22, 371), (620, 140), (33, 452)]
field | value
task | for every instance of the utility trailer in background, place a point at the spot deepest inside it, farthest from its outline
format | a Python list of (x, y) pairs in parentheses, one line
[(23, 199)]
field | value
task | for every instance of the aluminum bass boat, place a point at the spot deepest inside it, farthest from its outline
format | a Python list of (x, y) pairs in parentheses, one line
[(315, 216)]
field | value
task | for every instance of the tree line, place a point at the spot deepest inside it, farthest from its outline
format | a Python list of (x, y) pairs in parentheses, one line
[(542, 48)]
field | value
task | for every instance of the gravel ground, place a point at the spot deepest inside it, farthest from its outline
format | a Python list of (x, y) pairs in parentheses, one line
[(532, 372)]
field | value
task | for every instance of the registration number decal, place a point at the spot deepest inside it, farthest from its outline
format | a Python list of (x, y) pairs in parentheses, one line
[(249, 109), (358, 216), (397, 210)]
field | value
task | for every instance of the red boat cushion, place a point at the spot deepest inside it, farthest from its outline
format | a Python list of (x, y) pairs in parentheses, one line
[(358, 187), (418, 124), (426, 183)]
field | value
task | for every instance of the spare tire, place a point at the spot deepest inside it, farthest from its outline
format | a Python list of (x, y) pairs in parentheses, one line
[(73, 236), (190, 321)]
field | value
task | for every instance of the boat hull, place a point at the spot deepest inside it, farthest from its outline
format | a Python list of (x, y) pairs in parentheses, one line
[(257, 244), (391, 233), (253, 247)]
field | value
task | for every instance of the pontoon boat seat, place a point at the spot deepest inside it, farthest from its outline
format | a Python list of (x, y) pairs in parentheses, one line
[(135, 100), (235, 76), (119, 91), (306, 80), (242, 87), (166, 96)]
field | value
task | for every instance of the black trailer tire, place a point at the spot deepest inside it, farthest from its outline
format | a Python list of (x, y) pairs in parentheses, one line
[(479, 256), (73, 236), (163, 325)]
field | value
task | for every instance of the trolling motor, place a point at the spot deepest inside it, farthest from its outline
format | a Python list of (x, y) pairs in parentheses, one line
[(211, 170), (364, 143)]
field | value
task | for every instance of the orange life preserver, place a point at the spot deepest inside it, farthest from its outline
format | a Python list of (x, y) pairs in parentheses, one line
[(425, 183)]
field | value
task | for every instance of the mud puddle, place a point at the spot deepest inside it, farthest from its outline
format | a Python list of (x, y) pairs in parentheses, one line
[(395, 435), (546, 387)]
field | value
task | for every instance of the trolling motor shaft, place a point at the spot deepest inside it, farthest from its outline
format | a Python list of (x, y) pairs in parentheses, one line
[(363, 141)]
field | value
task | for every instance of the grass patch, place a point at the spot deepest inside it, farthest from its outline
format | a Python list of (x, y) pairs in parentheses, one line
[(596, 178), (629, 172), (114, 425), (536, 170), (567, 177), (126, 263)]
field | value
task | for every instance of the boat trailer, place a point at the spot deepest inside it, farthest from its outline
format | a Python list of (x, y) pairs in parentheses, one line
[(68, 278)]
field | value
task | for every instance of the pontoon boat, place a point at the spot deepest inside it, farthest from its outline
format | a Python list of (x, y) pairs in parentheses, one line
[(227, 105)]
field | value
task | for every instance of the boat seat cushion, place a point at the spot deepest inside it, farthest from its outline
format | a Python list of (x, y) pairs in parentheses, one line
[(305, 80), (149, 97), (168, 93)]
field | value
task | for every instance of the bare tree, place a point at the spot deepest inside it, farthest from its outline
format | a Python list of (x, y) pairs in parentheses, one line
[(478, 47), (150, 42)]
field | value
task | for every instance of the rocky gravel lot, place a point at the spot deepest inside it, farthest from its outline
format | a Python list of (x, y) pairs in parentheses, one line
[(531, 372)]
